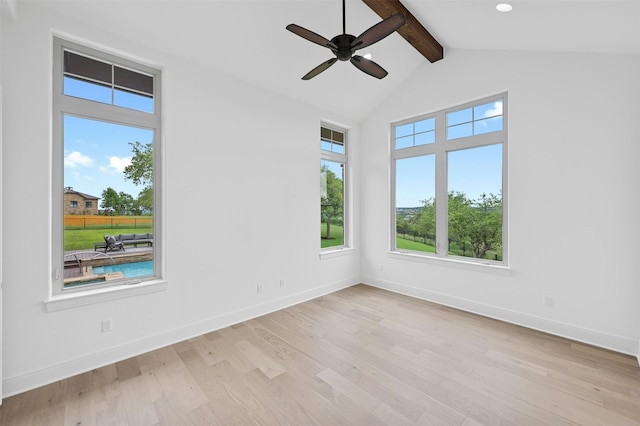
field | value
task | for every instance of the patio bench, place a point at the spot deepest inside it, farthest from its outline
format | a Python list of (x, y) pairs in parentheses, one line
[(127, 239)]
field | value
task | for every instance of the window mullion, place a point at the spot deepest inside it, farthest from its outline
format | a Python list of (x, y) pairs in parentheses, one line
[(441, 186)]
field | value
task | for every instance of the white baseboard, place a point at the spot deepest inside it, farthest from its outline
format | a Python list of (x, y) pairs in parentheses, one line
[(15, 385), (592, 337)]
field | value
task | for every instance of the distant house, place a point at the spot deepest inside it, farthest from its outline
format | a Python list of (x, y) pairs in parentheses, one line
[(78, 203)]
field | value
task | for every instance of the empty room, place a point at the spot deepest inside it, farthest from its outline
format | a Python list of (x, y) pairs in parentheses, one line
[(319, 212)]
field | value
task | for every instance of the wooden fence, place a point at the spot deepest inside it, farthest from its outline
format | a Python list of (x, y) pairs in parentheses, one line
[(73, 221)]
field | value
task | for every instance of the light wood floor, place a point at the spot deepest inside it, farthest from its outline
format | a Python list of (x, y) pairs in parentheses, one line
[(361, 356)]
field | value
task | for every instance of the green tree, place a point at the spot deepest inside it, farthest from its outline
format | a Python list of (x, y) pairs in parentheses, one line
[(111, 203), (127, 203), (425, 221), (402, 224), (145, 200), (140, 172), (460, 215), (331, 202), (485, 231), (117, 203), (477, 223)]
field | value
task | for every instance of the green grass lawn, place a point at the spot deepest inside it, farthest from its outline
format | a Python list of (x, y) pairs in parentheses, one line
[(403, 244), (83, 239), (337, 235)]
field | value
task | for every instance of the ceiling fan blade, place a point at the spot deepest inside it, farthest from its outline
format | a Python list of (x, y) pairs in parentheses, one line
[(317, 70), (378, 31), (368, 66), (311, 36)]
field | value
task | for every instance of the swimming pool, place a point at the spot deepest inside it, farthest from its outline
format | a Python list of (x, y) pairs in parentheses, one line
[(129, 270)]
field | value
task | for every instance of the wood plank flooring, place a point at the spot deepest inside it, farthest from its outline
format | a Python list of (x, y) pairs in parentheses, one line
[(360, 356)]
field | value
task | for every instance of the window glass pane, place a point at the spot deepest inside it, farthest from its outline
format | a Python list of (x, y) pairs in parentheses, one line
[(325, 145), (96, 157), (331, 204), (133, 81), (133, 101), (87, 68), (415, 203), (425, 125), (404, 142), (491, 109), (337, 147), (86, 90), (325, 133), (487, 125), (460, 131), (475, 202), (458, 117), (425, 138), (404, 130)]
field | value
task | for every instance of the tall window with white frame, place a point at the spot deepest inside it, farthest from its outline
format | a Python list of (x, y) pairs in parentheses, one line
[(106, 124), (449, 183), (333, 172)]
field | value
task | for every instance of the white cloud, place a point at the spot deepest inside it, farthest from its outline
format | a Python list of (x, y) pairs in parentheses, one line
[(77, 159), (117, 164), (495, 110)]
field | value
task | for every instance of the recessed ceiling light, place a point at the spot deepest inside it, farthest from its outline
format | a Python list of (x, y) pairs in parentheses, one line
[(504, 7)]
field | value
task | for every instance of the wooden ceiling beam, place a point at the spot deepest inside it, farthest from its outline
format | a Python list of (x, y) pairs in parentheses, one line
[(412, 31)]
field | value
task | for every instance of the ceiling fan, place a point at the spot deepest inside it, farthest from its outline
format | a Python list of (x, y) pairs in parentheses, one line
[(344, 45)]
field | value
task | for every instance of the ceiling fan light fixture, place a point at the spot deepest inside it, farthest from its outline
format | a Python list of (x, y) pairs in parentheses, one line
[(345, 45), (504, 7)]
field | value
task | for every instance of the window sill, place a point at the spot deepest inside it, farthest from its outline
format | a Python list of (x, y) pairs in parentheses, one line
[(329, 253), (488, 267), (78, 299)]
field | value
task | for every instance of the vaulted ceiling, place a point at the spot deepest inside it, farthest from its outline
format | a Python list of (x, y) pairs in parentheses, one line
[(247, 39)]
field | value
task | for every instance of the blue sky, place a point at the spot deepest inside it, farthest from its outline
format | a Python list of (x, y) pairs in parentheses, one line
[(96, 152), (472, 171)]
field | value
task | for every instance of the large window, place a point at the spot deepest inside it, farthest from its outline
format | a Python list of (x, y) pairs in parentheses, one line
[(106, 127), (333, 166), (449, 182)]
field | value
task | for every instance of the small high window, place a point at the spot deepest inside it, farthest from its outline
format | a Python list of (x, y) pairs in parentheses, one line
[(106, 82)]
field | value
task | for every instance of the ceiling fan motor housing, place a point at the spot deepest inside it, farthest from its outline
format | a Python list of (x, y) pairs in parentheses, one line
[(343, 41)]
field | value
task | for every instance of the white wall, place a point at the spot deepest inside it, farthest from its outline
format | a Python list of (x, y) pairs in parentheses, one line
[(573, 192), (240, 164)]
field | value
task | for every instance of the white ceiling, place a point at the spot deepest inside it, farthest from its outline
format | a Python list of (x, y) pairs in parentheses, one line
[(247, 38)]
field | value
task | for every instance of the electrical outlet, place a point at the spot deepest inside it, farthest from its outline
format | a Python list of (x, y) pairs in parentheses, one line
[(282, 283), (548, 301), (259, 289), (381, 268), (107, 325)]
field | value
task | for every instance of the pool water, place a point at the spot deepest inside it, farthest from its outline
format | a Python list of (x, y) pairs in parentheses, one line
[(129, 270)]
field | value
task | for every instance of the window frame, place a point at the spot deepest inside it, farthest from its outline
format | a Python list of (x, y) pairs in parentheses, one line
[(342, 158), (63, 105), (440, 148)]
